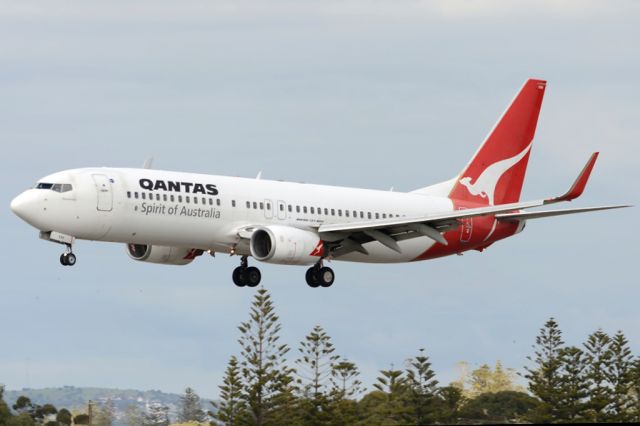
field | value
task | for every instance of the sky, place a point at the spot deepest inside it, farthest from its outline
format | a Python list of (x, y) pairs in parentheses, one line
[(368, 93)]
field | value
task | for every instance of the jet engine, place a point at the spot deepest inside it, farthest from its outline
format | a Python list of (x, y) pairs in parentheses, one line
[(286, 245), (162, 254)]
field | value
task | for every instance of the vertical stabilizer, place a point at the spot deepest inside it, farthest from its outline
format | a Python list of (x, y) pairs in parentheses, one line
[(496, 172)]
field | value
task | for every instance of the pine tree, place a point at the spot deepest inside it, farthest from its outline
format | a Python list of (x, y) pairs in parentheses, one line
[(598, 358), (133, 415), (158, 415), (393, 408), (314, 371), (316, 362), (267, 379), (231, 410), (344, 380), (635, 391), (574, 388), (544, 376), (422, 388), (620, 377), (190, 407)]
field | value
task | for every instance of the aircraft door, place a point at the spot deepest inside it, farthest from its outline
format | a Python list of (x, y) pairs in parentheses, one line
[(268, 209), (105, 192), (282, 210), (466, 228)]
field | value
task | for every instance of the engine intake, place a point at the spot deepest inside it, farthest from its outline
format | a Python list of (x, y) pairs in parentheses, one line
[(164, 255)]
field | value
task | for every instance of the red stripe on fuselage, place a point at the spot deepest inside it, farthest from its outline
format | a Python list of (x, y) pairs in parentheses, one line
[(471, 234)]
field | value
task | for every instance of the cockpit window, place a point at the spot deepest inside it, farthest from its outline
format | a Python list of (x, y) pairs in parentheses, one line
[(62, 187), (58, 187)]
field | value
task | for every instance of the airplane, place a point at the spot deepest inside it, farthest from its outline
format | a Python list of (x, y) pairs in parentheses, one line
[(171, 218)]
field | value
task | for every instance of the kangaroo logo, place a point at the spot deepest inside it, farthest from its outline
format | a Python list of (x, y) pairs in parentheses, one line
[(485, 184)]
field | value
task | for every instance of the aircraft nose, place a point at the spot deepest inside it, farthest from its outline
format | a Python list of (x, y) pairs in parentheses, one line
[(24, 206)]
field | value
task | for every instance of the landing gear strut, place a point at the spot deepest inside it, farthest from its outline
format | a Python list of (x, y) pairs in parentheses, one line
[(245, 275), (68, 258), (320, 276)]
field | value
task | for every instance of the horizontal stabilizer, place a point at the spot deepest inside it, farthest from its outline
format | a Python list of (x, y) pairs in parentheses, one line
[(549, 213)]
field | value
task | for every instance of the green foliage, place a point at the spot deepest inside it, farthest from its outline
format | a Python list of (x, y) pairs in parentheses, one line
[(133, 415), (574, 390), (499, 407), (545, 376), (344, 380), (64, 417), (231, 410), (620, 375), (190, 407), (267, 380), (158, 415), (448, 404), (5, 412), (598, 358), (421, 389), (81, 419)]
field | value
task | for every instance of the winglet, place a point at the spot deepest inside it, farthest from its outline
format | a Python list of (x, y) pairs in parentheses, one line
[(578, 186)]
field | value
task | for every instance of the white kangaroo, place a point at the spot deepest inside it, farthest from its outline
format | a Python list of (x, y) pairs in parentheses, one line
[(486, 183)]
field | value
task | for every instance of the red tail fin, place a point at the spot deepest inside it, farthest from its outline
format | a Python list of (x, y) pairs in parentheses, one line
[(496, 171)]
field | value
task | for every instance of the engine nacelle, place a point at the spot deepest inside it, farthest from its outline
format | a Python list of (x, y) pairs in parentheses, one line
[(286, 245), (162, 254)]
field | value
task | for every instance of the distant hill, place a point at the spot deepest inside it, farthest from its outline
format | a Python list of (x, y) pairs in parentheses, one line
[(74, 398)]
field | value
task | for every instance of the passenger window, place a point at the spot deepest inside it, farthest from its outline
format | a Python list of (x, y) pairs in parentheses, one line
[(157, 197), (218, 202), (144, 195), (135, 194), (261, 206), (248, 204), (319, 210), (281, 207), (326, 211), (172, 198), (333, 212), (368, 215), (361, 214), (268, 206), (346, 213), (187, 198), (179, 198), (255, 205), (377, 215), (128, 194), (297, 209), (210, 201), (290, 208), (195, 200), (384, 215), (164, 197), (304, 209), (339, 212), (313, 210), (233, 203), (204, 201)]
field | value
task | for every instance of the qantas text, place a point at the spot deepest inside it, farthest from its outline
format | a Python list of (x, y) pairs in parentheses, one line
[(188, 187)]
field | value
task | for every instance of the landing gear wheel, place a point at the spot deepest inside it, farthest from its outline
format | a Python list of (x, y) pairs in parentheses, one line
[(325, 276), (239, 276), (63, 259), (71, 259), (252, 276), (312, 277)]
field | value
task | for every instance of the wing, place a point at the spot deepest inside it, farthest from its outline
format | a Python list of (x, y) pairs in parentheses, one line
[(389, 231)]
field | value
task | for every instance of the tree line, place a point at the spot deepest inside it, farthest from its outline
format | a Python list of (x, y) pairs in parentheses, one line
[(264, 385)]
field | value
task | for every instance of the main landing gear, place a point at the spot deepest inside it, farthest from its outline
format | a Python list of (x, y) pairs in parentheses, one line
[(68, 258), (245, 275), (320, 276)]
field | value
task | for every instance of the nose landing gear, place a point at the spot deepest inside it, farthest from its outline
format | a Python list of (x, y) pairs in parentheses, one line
[(68, 258), (320, 276), (245, 275)]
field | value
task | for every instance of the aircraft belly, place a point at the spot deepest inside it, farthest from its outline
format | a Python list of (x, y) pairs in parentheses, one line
[(378, 253)]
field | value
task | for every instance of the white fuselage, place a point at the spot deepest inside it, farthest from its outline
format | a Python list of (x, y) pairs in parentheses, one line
[(111, 204)]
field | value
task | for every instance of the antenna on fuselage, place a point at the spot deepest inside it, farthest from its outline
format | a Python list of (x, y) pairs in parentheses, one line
[(148, 163), (259, 175)]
